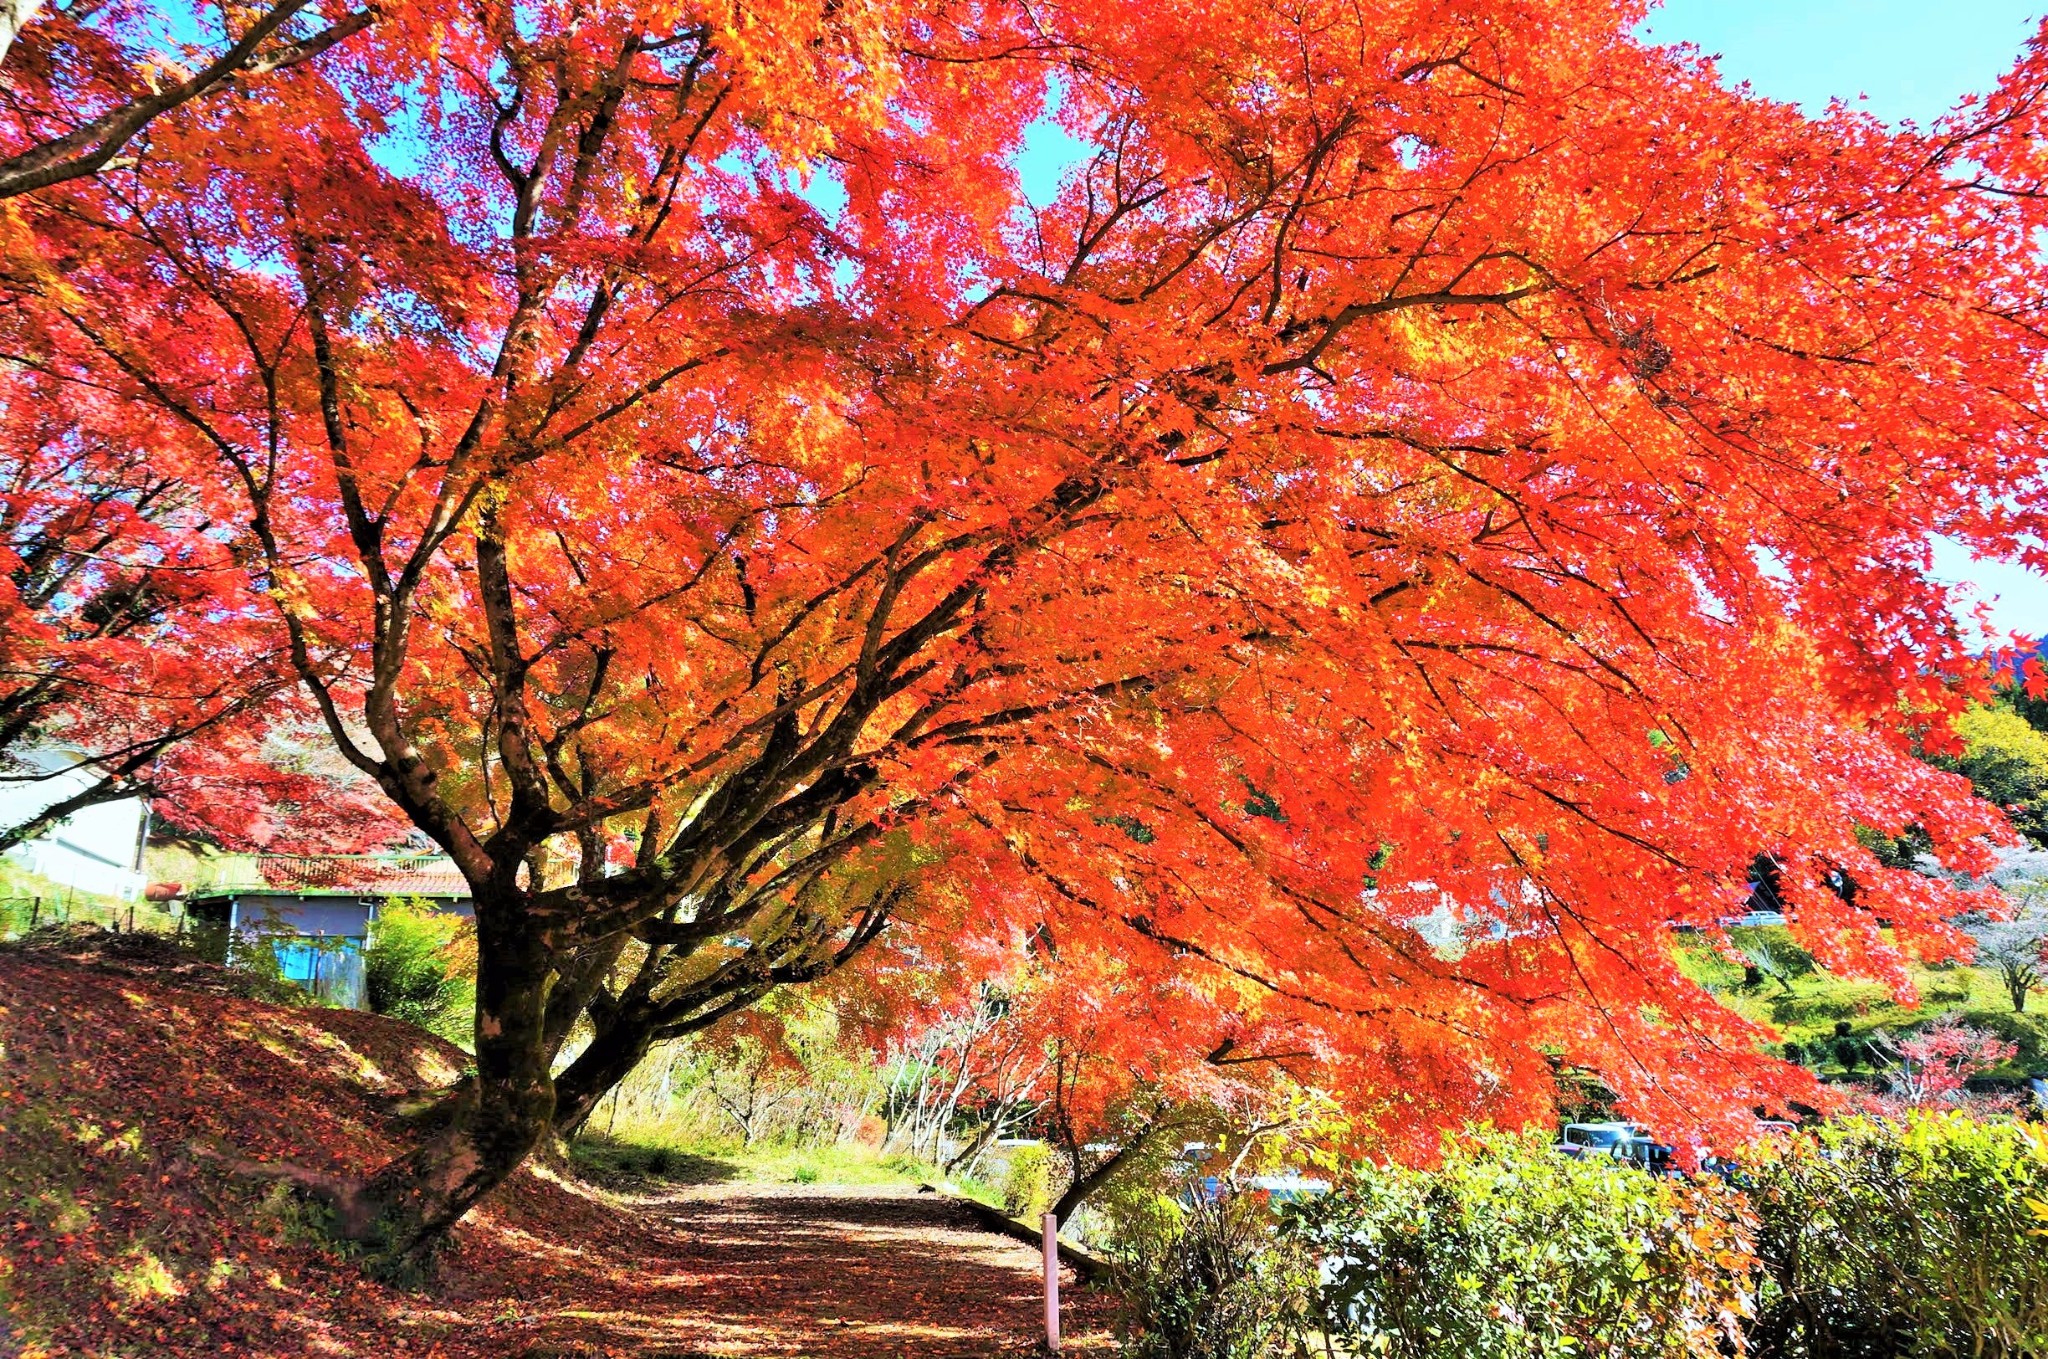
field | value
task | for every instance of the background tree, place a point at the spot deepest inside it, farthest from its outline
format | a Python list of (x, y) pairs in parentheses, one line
[(1379, 433), (2015, 948), (2012, 935), (1934, 1064), (970, 1070), (2006, 760), (753, 1078)]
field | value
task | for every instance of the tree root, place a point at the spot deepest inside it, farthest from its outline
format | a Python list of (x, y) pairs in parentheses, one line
[(355, 1217), (429, 1110)]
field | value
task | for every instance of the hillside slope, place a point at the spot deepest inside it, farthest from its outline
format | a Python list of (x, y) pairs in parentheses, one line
[(125, 1232)]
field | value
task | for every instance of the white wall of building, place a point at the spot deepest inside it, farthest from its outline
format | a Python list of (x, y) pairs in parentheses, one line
[(93, 850)]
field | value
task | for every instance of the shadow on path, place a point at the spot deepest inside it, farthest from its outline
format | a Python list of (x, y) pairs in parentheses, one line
[(844, 1272)]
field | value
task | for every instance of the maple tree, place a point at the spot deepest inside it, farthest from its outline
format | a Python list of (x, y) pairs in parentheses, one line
[(1000, 1041), (1105, 1113), (89, 77), (135, 660), (1437, 491), (1934, 1065), (972, 1065)]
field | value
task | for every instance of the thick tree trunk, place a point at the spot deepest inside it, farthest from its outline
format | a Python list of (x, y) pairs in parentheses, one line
[(409, 1205), (577, 983), (1083, 1186)]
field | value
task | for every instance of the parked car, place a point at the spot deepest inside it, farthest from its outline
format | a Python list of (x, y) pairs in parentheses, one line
[(1285, 1187), (1646, 1154), (1581, 1139)]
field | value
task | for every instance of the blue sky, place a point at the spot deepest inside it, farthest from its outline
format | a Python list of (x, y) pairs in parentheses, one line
[(1898, 59), (1911, 58)]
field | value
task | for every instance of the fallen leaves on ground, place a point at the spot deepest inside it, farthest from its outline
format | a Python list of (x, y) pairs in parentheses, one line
[(123, 1103)]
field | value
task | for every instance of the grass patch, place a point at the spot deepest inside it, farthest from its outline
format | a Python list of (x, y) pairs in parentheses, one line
[(62, 903), (832, 1165), (59, 1212), (642, 1161), (140, 1277), (980, 1191), (1808, 1009), (1816, 1010), (621, 1163), (673, 1143)]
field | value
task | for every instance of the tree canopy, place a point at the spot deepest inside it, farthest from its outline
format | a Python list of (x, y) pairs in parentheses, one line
[(136, 656), (1439, 490)]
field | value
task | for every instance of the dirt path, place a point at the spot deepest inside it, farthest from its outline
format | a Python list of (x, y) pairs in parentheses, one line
[(863, 1272)]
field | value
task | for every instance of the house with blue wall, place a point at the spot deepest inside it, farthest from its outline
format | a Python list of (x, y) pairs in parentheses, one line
[(315, 912)]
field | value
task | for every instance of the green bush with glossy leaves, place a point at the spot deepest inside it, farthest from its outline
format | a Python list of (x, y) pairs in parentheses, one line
[(1902, 1239), (1213, 1280), (1508, 1250)]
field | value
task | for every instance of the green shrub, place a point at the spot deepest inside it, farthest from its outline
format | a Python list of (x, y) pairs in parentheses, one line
[(410, 968), (256, 971), (1902, 1239), (1215, 1282), (1842, 1000), (622, 1163), (2027, 1032), (1027, 1186), (1133, 1214), (1510, 1251)]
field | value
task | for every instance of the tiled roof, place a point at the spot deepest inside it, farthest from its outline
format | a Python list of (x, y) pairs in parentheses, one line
[(341, 875)]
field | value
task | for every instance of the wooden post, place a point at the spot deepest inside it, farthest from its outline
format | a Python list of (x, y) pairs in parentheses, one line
[(1052, 1284)]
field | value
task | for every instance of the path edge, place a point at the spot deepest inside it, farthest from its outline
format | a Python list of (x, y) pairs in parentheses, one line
[(1092, 1268)]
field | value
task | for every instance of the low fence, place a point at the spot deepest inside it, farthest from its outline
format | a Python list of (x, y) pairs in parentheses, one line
[(19, 915), (330, 969)]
